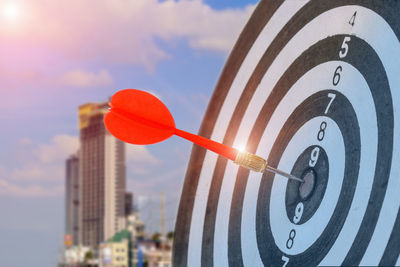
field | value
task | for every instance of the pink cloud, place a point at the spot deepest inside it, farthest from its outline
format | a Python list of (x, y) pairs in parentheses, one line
[(58, 149), (116, 31), (81, 78)]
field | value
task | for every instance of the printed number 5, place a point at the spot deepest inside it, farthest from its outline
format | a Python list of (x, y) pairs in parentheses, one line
[(345, 47)]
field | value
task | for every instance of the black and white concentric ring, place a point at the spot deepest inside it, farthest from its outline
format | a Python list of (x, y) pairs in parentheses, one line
[(288, 54), (324, 225)]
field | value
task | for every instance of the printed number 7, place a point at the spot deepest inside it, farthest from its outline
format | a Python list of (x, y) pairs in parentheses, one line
[(286, 261), (332, 97)]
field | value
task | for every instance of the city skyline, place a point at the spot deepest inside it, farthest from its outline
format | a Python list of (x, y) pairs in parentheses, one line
[(51, 64)]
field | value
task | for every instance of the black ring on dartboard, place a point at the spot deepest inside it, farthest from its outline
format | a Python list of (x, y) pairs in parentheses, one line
[(342, 112), (324, 51), (260, 17), (320, 173)]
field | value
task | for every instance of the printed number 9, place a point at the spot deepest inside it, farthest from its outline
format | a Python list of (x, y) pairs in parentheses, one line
[(314, 157), (298, 212)]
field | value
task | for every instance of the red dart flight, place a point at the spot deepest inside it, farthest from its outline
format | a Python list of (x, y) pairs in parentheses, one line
[(140, 118)]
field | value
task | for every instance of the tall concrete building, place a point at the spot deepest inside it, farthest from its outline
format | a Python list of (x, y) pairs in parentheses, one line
[(72, 199), (102, 177)]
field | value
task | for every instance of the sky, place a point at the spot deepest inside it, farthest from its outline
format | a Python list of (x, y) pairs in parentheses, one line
[(57, 55)]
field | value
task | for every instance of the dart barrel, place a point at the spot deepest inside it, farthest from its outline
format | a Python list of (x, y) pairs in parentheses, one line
[(251, 161)]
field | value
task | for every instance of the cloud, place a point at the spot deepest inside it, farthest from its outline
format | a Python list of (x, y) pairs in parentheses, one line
[(38, 172), (10, 189), (41, 172), (3, 171), (139, 159), (140, 154), (168, 179), (40, 163), (81, 78), (118, 31), (34, 172), (59, 148), (25, 141)]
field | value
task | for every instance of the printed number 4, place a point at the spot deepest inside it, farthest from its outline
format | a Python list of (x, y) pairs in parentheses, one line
[(353, 19), (285, 260)]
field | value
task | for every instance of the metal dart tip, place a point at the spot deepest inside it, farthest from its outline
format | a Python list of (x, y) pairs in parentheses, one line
[(285, 174)]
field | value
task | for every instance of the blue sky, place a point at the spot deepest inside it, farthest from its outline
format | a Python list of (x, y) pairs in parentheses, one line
[(57, 56)]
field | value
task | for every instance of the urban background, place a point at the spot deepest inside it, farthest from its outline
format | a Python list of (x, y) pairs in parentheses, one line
[(70, 192)]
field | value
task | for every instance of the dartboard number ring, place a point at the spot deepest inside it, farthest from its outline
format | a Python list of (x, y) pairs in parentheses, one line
[(320, 136)]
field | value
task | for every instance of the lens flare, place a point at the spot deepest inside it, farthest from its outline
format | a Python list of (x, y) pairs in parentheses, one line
[(240, 147), (11, 11)]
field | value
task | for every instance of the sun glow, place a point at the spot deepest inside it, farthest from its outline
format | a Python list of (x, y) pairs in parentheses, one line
[(240, 147), (11, 11)]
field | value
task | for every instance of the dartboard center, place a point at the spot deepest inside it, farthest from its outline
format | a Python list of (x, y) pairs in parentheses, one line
[(307, 187), (305, 198)]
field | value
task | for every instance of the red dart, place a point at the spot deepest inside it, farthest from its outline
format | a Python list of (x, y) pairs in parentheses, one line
[(140, 118)]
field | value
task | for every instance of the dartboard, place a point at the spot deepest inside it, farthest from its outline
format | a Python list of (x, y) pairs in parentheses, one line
[(314, 88)]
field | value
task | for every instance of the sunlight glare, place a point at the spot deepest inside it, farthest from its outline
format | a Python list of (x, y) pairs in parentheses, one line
[(11, 11), (241, 147)]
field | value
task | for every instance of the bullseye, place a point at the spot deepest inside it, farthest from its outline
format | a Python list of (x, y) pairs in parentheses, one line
[(306, 188)]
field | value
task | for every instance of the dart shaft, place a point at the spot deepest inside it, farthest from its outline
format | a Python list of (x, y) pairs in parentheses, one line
[(221, 149)]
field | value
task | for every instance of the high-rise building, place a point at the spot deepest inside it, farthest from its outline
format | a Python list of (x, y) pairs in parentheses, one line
[(72, 199), (128, 203), (102, 177)]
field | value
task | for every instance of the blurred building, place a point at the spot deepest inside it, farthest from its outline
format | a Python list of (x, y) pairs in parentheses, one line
[(102, 177), (135, 226), (74, 256), (116, 251), (153, 255), (158, 258), (128, 203), (71, 201)]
